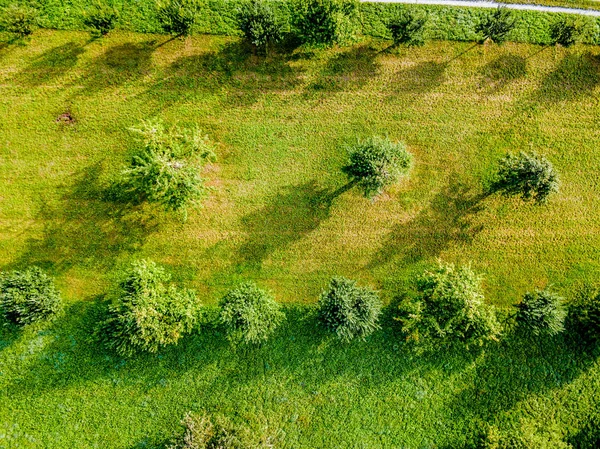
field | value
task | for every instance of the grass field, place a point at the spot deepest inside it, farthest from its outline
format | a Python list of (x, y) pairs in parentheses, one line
[(282, 125)]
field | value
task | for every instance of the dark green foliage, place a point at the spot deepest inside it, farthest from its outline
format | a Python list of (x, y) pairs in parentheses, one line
[(249, 314), (450, 308), (407, 28), (584, 314), (496, 26), (564, 32), (101, 19), (542, 313), (167, 169), (202, 432), (260, 24), (377, 163), (147, 313), (325, 22), (28, 296), (530, 176), (177, 16), (348, 310), (20, 20), (588, 436)]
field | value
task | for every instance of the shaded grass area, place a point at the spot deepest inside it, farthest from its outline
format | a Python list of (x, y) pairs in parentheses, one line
[(281, 212)]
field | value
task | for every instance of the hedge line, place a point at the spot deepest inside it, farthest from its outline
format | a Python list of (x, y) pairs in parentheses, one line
[(218, 17)]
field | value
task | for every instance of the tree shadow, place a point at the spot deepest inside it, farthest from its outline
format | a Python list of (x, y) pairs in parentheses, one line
[(85, 230), (588, 436), (418, 79), (576, 76), (449, 218), (502, 71), (51, 64)]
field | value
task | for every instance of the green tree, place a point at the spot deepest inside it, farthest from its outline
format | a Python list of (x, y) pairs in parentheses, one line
[(177, 17), (101, 18), (564, 32), (407, 28), (377, 163), (260, 24), (20, 20), (325, 22), (496, 25), (542, 312)]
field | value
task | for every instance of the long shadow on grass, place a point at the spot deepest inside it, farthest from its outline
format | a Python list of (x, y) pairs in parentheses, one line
[(450, 218), (51, 64), (503, 71), (575, 77), (418, 79), (83, 229)]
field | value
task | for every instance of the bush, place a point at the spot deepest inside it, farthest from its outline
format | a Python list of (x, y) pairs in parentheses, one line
[(527, 175), (250, 314), (564, 32), (325, 22), (28, 296), (166, 170), (496, 25), (202, 432), (20, 20), (260, 24), (376, 163), (449, 307), (101, 19), (147, 313), (407, 28), (583, 314), (542, 313), (177, 16), (348, 310)]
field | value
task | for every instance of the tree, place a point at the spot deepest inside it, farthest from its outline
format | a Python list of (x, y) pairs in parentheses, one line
[(542, 313), (407, 28), (449, 307), (496, 25), (325, 22), (348, 310), (147, 313), (28, 296), (20, 20), (527, 175), (166, 170), (564, 32), (177, 17), (260, 25), (101, 19), (203, 432), (250, 314), (377, 163)]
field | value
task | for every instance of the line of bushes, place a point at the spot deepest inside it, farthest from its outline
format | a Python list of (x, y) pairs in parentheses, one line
[(221, 17)]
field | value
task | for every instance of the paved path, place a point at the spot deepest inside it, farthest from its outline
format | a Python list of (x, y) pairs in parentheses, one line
[(491, 4)]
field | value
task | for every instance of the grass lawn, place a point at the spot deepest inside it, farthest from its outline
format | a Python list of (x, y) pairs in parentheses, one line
[(282, 126)]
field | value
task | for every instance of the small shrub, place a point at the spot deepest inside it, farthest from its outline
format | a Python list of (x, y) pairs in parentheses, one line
[(583, 314), (28, 296), (101, 19), (564, 32), (542, 313), (177, 17), (260, 24), (348, 310), (250, 314), (377, 163), (147, 313), (202, 432), (19, 20), (407, 28), (325, 22), (449, 307), (496, 26), (527, 175)]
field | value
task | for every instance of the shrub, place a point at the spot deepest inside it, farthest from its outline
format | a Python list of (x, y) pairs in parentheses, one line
[(177, 16), (564, 32), (20, 20), (527, 175), (250, 314), (407, 28), (376, 163), (584, 314), (166, 170), (542, 313), (260, 24), (325, 22), (147, 313), (449, 307), (348, 310), (101, 19), (202, 432), (28, 296), (496, 25)]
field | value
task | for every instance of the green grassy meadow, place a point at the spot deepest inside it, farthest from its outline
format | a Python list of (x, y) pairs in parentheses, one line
[(282, 125)]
